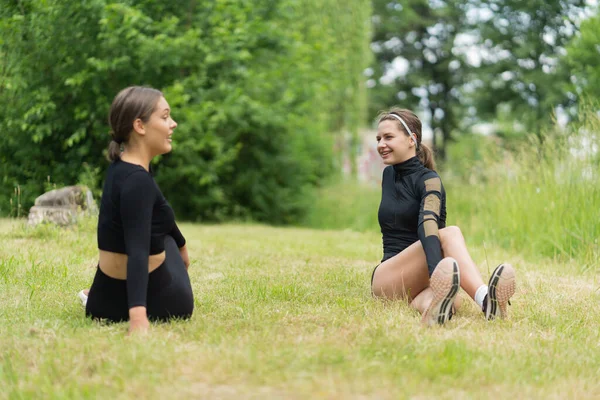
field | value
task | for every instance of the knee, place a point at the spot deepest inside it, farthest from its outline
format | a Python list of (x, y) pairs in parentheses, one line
[(450, 233)]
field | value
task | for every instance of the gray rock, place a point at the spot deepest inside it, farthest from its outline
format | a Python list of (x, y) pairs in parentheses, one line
[(62, 206)]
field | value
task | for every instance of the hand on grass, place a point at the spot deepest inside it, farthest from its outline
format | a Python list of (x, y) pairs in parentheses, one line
[(138, 321)]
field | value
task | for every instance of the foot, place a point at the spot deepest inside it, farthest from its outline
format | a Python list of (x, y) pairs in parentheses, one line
[(501, 287), (444, 282), (83, 296)]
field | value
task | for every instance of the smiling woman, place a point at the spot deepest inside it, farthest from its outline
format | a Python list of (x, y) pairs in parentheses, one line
[(143, 259), (424, 261), (407, 140)]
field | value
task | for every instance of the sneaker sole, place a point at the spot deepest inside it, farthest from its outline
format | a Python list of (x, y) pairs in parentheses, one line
[(501, 287), (444, 283)]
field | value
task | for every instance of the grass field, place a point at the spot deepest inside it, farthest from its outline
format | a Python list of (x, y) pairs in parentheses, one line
[(286, 313)]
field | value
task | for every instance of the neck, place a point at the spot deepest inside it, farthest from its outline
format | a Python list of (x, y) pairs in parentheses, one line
[(408, 166), (137, 155), (412, 154)]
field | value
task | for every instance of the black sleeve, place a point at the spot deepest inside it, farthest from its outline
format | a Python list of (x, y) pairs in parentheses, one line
[(429, 219), (136, 203), (177, 235)]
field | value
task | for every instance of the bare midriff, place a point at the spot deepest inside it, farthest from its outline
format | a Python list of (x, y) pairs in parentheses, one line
[(115, 264)]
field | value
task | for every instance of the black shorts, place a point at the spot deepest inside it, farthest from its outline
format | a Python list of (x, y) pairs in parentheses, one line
[(372, 276), (169, 292)]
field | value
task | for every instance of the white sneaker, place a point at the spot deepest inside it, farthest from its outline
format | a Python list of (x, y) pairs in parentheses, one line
[(83, 298), (444, 282), (501, 287)]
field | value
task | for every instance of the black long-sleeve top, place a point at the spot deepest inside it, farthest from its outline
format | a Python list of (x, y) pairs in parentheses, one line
[(413, 207), (134, 219)]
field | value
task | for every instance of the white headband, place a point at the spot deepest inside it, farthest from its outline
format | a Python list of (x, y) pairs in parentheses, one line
[(412, 135)]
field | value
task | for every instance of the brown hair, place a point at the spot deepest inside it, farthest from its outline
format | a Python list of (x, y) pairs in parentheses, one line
[(130, 104), (414, 124)]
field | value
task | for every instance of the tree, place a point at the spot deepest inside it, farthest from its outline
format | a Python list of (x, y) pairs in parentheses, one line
[(257, 88), (520, 43), (582, 60), (420, 34)]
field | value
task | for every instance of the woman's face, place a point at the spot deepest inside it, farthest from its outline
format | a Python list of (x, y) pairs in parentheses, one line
[(159, 128), (393, 145)]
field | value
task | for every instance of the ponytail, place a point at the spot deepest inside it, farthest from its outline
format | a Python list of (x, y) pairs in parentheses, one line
[(426, 156), (128, 105), (114, 151)]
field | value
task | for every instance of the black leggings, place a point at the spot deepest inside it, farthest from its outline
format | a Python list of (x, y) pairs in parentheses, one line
[(169, 292)]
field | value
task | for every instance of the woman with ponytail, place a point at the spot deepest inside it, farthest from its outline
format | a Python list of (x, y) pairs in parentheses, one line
[(424, 262), (143, 259)]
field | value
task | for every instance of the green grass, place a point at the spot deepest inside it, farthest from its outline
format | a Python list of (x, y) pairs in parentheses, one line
[(541, 198), (286, 313), (540, 203)]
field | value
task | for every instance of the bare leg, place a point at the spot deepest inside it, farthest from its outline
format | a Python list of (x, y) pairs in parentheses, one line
[(502, 281), (405, 275), (453, 245), (422, 301)]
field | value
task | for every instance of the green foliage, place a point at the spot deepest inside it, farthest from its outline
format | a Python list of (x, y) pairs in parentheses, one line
[(259, 90), (520, 74), (423, 34), (583, 60), (541, 199), (472, 156), (345, 205), (472, 61)]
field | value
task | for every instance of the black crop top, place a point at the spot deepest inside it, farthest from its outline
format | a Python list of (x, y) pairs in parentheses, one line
[(134, 219), (413, 207)]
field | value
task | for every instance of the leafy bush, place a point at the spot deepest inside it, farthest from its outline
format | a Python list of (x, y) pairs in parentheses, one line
[(259, 90)]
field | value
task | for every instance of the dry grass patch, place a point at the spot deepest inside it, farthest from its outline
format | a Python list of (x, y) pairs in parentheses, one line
[(287, 313)]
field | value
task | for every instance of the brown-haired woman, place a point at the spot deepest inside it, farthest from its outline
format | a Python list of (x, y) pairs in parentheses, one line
[(425, 262), (142, 270)]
